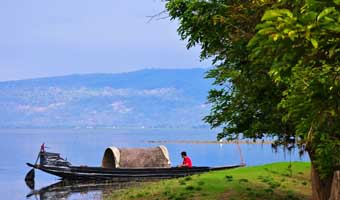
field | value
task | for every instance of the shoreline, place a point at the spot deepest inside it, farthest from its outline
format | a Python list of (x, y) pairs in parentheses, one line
[(207, 142)]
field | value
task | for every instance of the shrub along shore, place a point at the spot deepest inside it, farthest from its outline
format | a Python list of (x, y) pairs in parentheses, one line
[(281, 181)]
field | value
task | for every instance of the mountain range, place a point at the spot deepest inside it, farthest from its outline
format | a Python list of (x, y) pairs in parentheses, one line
[(151, 98)]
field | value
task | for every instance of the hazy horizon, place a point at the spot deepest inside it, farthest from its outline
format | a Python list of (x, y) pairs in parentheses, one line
[(107, 73)]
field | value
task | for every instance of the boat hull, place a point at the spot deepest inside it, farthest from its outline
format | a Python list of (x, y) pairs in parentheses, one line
[(121, 174)]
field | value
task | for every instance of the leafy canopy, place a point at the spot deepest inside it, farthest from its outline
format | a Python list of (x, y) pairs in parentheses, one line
[(277, 68)]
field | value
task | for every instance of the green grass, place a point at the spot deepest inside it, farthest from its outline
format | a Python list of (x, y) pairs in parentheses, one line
[(281, 181)]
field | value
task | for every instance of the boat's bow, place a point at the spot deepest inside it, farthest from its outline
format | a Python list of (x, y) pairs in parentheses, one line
[(32, 165), (226, 167)]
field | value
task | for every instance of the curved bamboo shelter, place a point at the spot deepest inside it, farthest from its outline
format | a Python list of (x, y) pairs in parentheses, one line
[(155, 157)]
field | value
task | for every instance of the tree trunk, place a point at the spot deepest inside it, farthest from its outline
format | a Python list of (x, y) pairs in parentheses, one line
[(321, 188), (335, 191)]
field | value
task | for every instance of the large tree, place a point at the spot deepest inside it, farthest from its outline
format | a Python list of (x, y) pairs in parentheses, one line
[(277, 71)]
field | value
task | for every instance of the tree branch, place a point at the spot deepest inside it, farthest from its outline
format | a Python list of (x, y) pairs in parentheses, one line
[(158, 16)]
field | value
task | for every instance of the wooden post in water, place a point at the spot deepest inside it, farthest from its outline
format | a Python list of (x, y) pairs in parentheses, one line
[(240, 152)]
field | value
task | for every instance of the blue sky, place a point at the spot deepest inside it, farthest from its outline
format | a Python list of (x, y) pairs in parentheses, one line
[(41, 38)]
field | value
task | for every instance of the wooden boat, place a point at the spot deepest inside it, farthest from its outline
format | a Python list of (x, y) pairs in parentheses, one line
[(118, 170), (122, 174)]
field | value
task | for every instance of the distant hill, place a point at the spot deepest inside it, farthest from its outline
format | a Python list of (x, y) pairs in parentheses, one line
[(153, 98)]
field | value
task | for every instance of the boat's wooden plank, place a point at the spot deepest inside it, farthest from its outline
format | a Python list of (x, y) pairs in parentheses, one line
[(225, 167), (98, 173)]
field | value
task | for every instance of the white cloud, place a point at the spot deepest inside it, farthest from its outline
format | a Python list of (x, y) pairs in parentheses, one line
[(39, 109), (120, 107), (108, 91)]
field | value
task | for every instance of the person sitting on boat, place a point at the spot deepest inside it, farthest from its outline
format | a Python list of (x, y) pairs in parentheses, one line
[(186, 160)]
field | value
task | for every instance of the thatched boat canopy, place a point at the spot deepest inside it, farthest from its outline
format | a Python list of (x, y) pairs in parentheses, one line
[(155, 157)]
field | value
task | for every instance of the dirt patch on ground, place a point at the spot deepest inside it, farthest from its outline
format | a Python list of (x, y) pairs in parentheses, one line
[(228, 195)]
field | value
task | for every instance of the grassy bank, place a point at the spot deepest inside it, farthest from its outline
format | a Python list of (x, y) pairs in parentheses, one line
[(282, 181)]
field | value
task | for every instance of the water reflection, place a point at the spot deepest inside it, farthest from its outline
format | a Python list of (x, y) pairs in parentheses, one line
[(89, 189)]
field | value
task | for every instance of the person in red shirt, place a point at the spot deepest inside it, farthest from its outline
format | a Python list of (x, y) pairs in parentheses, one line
[(186, 160)]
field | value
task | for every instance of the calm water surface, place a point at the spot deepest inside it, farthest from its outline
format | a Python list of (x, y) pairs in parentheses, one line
[(86, 147)]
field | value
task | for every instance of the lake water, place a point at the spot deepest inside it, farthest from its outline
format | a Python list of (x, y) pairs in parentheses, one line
[(86, 147)]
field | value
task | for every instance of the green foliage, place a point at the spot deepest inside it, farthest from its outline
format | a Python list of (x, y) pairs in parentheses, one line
[(223, 29), (277, 69), (308, 68)]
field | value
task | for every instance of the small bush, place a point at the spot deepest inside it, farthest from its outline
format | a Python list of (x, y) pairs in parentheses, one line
[(181, 182), (274, 184), (172, 197), (267, 179), (200, 183), (243, 180), (139, 195), (180, 198), (229, 178), (189, 187), (291, 196), (198, 188), (269, 190)]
